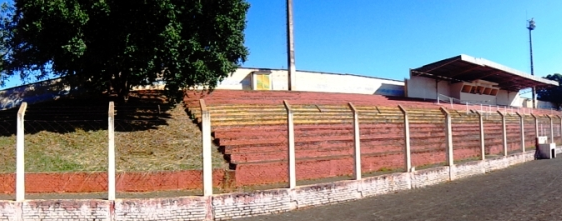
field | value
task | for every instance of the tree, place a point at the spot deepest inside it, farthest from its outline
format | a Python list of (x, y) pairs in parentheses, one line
[(113, 45), (5, 11), (552, 94)]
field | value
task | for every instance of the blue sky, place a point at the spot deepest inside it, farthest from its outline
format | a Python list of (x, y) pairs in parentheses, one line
[(384, 38)]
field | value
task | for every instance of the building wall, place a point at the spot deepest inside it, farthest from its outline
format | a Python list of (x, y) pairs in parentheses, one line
[(316, 82), (443, 88), (477, 98), (241, 79), (32, 93), (321, 82), (528, 103), (509, 98), (422, 87), (455, 89)]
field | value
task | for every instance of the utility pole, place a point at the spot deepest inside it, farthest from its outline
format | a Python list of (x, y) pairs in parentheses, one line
[(290, 46), (531, 26)]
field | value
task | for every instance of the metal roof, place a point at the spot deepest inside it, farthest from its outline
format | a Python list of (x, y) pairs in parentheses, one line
[(466, 68)]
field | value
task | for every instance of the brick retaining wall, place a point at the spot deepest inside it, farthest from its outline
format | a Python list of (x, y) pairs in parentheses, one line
[(86, 182), (183, 208), (67, 209), (234, 205)]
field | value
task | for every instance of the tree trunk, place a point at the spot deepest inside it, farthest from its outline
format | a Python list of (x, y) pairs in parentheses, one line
[(122, 87), (124, 92)]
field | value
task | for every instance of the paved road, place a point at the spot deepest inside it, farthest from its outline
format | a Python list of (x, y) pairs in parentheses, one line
[(530, 191)]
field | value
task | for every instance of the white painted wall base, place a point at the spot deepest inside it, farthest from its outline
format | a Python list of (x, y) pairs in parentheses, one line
[(235, 205)]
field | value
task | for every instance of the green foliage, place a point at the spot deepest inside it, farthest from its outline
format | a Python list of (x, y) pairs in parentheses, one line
[(5, 12), (103, 45), (552, 94)]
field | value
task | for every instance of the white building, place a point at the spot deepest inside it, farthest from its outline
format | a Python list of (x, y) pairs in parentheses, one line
[(460, 79), (474, 80), (276, 79)]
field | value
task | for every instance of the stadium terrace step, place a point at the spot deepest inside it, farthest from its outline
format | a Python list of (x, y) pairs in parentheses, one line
[(468, 143), (246, 111), (306, 139), (256, 157), (235, 122), (472, 123), (230, 132), (234, 137), (257, 134), (233, 96), (315, 168), (461, 139), (299, 154), (465, 129), (425, 111), (366, 145), (251, 130), (435, 121)]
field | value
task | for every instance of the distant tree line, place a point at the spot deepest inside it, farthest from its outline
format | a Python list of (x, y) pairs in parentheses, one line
[(552, 94)]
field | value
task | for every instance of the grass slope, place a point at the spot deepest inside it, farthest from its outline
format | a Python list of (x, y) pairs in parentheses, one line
[(71, 135)]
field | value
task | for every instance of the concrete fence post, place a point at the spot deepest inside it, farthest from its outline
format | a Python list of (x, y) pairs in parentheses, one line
[(551, 129), (111, 152), (291, 146), (207, 155), (482, 144), (449, 137), (20, 154), (560, 128), (522, 128), (407, 152), (536, 126), (356, 142), (504, 133)]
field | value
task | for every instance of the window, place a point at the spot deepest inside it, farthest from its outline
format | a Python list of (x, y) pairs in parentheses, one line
[(261, 81), (466, 88)]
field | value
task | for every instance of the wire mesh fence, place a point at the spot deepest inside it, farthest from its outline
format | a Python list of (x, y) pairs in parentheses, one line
[(158, 148), (63, 139), (382, 139), (544, 126), (258, 153), (427, 137), (7, 145), (530, 132), (493, 132), (466, 136), (513, 133), (324, 142), (65, 149), (557, 124), (7, 154)]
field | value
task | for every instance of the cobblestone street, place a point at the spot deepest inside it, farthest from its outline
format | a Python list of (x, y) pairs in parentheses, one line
[(530, 191)]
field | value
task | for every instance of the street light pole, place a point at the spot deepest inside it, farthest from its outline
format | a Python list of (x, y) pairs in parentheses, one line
[(531, 26), (290, 46)]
